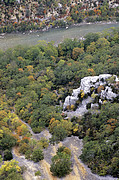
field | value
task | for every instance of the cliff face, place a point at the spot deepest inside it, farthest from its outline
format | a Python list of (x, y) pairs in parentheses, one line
[(94, 90)]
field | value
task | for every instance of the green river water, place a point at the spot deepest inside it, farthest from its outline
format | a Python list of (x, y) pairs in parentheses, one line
[(56, 35)]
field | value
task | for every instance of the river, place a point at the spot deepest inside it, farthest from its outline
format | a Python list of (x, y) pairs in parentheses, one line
[(56, 35)]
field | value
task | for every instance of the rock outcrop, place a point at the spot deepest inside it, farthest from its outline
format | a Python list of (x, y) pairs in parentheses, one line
[(102, 87)]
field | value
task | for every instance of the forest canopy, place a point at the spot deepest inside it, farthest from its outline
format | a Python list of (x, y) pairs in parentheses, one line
[(34, 82)]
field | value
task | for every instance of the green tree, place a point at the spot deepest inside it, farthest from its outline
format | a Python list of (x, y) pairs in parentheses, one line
[(61, 164), (7, 142), (7, 155), (37, 155), (91, 37), (60, 133), (76, 52)]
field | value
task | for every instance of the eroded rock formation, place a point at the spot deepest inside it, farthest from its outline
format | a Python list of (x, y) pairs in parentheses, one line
[(94, 90)]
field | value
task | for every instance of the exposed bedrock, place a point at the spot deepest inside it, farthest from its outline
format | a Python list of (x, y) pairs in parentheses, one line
[(101, 86)]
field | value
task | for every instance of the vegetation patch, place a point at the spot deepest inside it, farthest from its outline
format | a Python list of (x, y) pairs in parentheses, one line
[(34, 82), (61, 162)]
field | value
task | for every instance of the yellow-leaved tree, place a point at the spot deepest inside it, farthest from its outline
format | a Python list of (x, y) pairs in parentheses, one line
[(10, 170)]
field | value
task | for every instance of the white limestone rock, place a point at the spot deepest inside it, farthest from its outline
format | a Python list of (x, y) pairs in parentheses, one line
[(104, 76), (108, 94), (70, 100), (94, 106), (76, 92), (86, 84), (100, 101)]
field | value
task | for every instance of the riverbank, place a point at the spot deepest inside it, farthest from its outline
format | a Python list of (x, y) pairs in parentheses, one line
[(47, 28), (41, 15), (57, 35), (97, 22)]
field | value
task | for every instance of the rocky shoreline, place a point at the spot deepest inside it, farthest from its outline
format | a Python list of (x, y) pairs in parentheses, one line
[(2, 35)]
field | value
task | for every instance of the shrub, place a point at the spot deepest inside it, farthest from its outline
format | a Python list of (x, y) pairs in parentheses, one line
[(7, 155), (44, 142), (88, 106), (96, 100), (23, 148), (37, 155), (100, 88), (111, 79), (72, 107), (60, 133), (61, 163), (10, 171), (28, 154), (38, 173)]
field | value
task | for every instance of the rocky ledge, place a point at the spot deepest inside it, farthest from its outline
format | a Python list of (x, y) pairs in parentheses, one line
[(93, 91)]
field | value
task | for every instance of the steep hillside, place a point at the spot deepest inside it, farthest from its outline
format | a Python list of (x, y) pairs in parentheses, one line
[(34, 84)]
